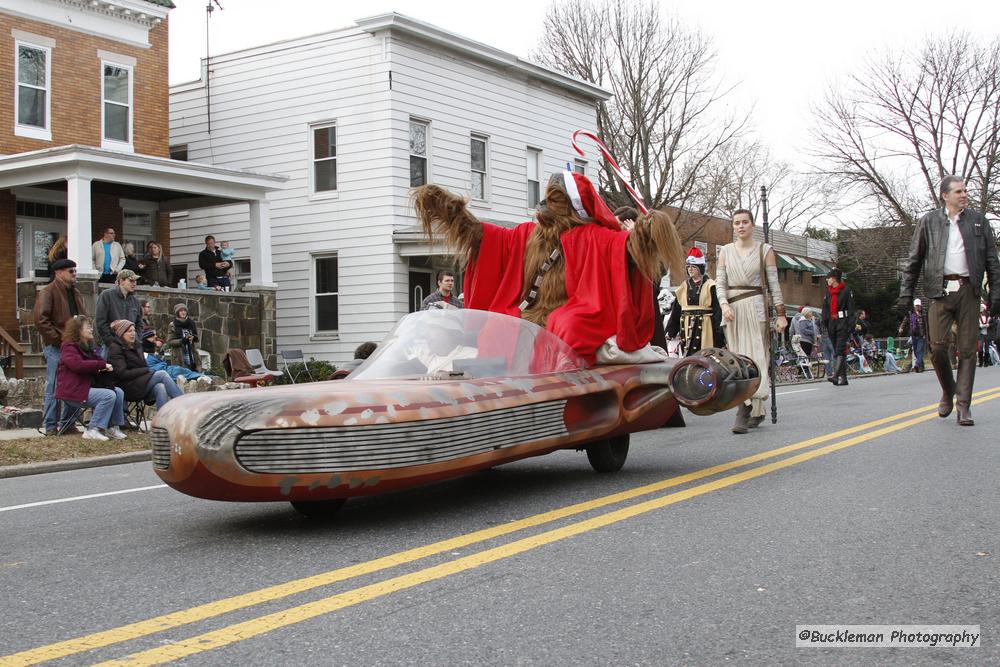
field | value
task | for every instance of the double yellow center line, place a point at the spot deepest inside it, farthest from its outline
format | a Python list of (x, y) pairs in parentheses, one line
[(266, 623)]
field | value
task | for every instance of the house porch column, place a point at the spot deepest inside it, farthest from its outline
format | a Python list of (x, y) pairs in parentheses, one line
[(260, 244), (78, 230)]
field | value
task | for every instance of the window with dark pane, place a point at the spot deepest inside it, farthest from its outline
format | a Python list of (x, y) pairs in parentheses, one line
[(32, 86), (327, 293), (325, 158), (534, 167), (478, 153), (418, 153)]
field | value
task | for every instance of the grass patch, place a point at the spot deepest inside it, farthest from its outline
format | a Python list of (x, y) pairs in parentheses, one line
[(59, 448)]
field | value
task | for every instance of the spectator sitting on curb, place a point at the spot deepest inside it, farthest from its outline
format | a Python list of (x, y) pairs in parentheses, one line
[(84, 378), (131, 372), (151, 343)]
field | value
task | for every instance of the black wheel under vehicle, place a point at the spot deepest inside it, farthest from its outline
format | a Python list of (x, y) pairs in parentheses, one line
[(319, 509), (608, 455)]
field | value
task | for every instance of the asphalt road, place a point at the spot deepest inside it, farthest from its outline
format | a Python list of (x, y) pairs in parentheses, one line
[(702, 557)]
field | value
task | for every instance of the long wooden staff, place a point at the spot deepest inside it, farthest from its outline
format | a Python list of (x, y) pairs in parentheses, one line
[(770, 314)]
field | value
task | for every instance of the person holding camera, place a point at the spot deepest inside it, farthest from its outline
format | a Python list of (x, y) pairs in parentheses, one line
[(184, 338)]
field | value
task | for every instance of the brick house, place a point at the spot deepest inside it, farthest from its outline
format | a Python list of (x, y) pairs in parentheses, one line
[(84, 142), (802, 262)]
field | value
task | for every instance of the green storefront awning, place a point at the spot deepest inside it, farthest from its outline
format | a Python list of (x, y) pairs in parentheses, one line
[(810, 264), (786, 262)]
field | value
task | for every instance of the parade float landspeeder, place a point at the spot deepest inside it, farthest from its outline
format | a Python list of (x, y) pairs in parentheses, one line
[(447, 393)]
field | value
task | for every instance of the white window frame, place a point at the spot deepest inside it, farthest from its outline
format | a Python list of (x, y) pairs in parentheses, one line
[(315, 194), (114, 144), (31, 131), (485, 139), (427, 149), (314, 332), (580, 166), (530, 153)]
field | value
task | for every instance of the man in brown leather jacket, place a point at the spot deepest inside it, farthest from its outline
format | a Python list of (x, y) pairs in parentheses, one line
[(54, 305), (954, 247)]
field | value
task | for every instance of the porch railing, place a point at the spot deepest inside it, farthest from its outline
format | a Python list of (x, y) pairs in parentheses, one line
[(11, 353)]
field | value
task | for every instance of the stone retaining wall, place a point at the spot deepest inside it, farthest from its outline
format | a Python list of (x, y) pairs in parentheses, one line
[(225, 320)]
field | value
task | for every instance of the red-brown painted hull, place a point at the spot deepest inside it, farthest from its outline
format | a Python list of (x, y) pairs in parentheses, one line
[(224, 445)]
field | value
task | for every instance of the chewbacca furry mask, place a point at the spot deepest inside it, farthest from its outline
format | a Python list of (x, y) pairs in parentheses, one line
[(570, 201)]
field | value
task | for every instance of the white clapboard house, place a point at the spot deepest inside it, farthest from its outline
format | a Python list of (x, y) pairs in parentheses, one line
[(354, 118)]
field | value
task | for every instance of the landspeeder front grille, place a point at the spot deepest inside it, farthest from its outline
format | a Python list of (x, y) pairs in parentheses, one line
[(161, 448), (378, 446)]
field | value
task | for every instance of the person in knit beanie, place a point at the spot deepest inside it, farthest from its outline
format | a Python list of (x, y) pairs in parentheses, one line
[(184, 338), (131, 372)]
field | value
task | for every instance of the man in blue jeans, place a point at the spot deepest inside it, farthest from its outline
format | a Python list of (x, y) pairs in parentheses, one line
[(914, 325), (54, 306)]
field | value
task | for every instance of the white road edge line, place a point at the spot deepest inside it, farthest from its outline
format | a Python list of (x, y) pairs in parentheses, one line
[(797, 391), (92, 495)]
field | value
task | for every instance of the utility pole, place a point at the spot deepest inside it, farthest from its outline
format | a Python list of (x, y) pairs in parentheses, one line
[(209, 8)]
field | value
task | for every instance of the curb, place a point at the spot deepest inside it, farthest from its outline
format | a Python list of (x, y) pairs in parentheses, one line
[(74, 464)]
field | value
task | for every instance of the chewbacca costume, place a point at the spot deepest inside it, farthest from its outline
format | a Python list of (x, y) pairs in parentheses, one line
[(574, 271)]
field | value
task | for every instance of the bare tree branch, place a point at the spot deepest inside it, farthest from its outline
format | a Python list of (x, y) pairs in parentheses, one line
[(907, 120), (662, 123)]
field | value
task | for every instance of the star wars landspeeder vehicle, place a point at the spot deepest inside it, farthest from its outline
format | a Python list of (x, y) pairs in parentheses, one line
[(448, 392)]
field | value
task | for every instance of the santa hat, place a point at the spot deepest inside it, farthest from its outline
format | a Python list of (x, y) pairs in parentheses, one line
[(696, 257), (584, 198)]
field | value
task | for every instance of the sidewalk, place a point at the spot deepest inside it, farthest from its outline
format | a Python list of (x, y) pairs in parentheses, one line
[(19, 433)]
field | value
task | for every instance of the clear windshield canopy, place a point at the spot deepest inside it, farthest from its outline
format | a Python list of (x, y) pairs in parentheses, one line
[(466, 343)]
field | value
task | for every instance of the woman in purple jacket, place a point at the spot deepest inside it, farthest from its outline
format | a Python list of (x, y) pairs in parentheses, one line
[(79, 369)]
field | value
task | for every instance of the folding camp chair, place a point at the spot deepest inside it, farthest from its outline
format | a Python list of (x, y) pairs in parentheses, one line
[(239, 369), (295, 356), (135, 415), (256, 360), (76, 416)]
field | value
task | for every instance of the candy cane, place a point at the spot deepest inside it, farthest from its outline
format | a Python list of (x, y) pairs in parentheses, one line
[(614, 165)]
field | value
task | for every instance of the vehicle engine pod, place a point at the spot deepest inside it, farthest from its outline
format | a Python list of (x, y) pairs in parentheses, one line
[(713, 380)]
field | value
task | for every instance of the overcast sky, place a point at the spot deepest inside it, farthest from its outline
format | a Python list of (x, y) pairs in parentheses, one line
[(781, 53)]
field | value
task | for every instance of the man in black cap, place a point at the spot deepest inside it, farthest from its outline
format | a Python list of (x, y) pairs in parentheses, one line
[(54, 306), (838, 319)]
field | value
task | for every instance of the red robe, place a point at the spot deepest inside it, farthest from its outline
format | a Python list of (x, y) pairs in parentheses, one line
[(605, 297)]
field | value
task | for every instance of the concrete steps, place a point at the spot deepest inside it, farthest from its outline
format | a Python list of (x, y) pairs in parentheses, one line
[(34, 365)]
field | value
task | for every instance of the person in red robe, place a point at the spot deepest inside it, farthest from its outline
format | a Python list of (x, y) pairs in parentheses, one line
[(573, 270)]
